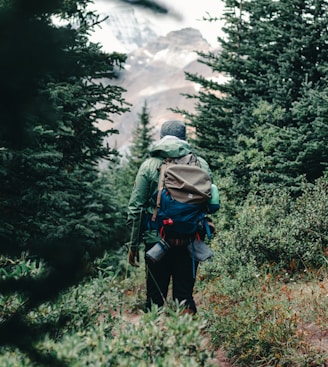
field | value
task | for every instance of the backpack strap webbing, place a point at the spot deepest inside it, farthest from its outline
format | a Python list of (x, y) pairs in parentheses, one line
[(160, 187)]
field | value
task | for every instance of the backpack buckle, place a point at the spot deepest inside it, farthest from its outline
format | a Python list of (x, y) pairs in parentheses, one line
[(168, 222)]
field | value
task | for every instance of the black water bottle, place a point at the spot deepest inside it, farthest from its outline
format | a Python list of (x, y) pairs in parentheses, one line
[(158, 251)]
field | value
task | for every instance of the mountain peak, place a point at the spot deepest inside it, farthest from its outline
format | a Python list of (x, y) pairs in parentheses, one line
[(155, 73)]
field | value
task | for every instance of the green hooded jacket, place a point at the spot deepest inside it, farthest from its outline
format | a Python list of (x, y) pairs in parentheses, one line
[(146, 183)]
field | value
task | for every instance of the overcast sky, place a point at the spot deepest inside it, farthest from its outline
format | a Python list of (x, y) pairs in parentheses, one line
[(190, 13), (181, 14)]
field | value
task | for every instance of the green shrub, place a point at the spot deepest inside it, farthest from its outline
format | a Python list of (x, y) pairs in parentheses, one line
[(90, 324), (75, 314), (276, 228), (162, 338), (274, 239)]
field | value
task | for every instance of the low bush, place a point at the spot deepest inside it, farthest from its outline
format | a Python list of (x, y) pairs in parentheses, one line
[(90, 324), (163, 338), (274, 227), (253, 289), (264, 321)]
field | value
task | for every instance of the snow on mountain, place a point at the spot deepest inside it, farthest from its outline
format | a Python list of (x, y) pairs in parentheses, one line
[(131, 31), (122, 30), (155, 74)]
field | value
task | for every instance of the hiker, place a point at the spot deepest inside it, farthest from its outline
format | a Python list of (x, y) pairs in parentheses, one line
[(177, 262)]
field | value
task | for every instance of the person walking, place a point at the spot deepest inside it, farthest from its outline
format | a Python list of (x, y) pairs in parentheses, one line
[(177, 264)]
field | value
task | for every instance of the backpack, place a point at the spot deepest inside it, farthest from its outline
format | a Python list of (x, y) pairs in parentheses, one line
[(182, 198)]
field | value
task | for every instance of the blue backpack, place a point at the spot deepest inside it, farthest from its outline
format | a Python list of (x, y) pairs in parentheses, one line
[(182, 198)]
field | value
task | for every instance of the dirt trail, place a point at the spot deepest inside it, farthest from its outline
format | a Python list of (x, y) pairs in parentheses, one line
[(219, 355), (220, 359)]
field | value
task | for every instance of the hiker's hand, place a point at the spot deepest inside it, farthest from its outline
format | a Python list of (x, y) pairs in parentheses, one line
[(134, 257)]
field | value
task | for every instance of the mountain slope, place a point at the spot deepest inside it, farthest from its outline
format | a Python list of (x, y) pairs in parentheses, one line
[(155, 73)]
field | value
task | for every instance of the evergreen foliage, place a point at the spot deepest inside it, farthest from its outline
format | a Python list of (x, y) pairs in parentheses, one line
[(265, 124), (142, 139), (123, 172), (56, 213)]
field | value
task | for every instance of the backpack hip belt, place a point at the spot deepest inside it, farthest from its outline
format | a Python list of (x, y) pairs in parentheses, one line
[(178, 242)]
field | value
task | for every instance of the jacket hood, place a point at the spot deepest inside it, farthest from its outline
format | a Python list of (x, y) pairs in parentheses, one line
[(170, 146)]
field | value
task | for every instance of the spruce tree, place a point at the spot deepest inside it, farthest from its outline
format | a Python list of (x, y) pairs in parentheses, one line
[(142, 139), (273, 55), (123, 172), (56, 214)]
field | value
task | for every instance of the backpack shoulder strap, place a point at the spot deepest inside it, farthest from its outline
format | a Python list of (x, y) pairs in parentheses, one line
[(165, 163)]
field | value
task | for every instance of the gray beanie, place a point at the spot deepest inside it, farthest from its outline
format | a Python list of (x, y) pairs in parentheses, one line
[(173, 127)]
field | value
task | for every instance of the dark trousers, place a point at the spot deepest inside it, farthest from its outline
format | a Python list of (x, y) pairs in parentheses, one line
[(177, 265)]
